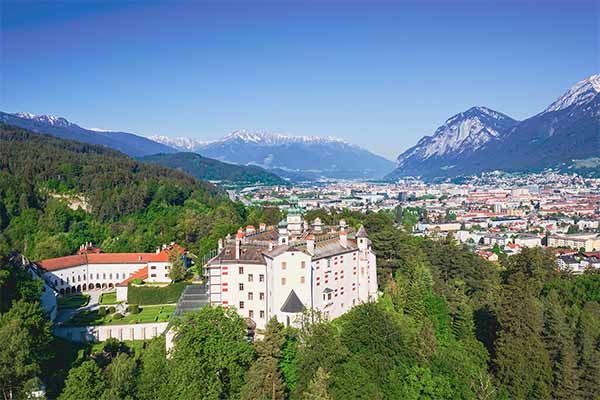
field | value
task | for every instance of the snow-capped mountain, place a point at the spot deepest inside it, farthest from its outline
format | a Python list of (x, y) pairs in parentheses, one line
[(310, 156), (482, 140), (464, 132), (124, 142), (179, 143), (580, 94)]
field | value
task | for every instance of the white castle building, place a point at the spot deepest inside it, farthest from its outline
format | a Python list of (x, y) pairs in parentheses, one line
[(281, 272), (91, 269)]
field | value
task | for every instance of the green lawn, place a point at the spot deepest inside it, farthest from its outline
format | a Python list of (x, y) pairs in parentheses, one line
[(147, 314), (109, 298), (73, 301)]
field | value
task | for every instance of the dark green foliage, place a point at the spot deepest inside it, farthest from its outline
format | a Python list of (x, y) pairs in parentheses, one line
[(149, 295), (84, 382), (212, 170), (133, 309), (522, 364), (211, 355)]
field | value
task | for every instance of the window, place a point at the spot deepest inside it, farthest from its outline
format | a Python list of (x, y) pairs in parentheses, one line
[(283, 265), (250, 278), (251, 313), (302, 279), (261, 278), (166, 275), (241, 270), (303, 264), (103, 276), (241, 305), (262, 313), (283, 281), (241, 286), (250, 296), (153, 267), (328, 296), (153, 275), (97, 276), (110, 276), (261, 296)]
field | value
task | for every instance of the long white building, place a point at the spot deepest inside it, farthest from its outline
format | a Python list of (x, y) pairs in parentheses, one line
[(281, 272)]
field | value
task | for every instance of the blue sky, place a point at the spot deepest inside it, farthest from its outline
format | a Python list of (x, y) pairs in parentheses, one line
[(378, 74)]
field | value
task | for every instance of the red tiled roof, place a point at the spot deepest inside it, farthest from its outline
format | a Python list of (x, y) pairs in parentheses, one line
[(52, 264), (95, 258), (141, 273)]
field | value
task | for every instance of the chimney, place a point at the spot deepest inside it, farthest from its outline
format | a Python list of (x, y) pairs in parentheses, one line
[(344, 239), (220, 244), (310, 244), (238, 243)]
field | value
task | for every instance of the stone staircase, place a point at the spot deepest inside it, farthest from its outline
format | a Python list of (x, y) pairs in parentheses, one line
[(194, 297)]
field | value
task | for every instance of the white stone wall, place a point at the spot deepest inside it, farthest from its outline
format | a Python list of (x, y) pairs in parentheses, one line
[(103, 332), (289, 271)]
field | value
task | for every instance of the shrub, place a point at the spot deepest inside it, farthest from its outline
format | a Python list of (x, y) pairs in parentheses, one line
[(117, 316), (137, 281), (133, 309), (101, 311), (111, 309)]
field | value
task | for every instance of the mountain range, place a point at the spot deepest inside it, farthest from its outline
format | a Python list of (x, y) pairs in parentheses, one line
[(127, 143), (563, 136), (311, 157)]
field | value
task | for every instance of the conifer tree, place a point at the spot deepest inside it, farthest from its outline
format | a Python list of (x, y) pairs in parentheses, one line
[(318, 388), (588, 336), (558, 337), (522, 364), (263, 380)]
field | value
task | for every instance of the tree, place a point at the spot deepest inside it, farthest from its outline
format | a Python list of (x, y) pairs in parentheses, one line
[(211, 355), (263, 380), (25, 337), (177, 271), (120, 377), (522, 364), (318, 388), (320, 348), (588, 336), (154, 369), (84, 382), (558, 337)]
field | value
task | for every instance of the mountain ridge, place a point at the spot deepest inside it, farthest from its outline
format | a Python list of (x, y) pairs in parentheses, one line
[(569, 128)]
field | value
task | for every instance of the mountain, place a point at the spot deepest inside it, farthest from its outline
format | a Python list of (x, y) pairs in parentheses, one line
[(213, 170), (483, 140), (458, 138), (311, 156), (128, 143)]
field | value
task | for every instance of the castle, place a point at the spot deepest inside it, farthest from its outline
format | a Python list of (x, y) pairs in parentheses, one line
[(280, 272)]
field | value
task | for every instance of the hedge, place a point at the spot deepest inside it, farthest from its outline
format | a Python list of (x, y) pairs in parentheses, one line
[(150, 295)]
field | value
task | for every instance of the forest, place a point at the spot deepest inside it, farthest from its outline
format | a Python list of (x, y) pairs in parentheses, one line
[(447, 324)]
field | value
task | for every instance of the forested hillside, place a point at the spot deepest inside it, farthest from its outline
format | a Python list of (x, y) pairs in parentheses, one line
[(213, 170), (131, 206)]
